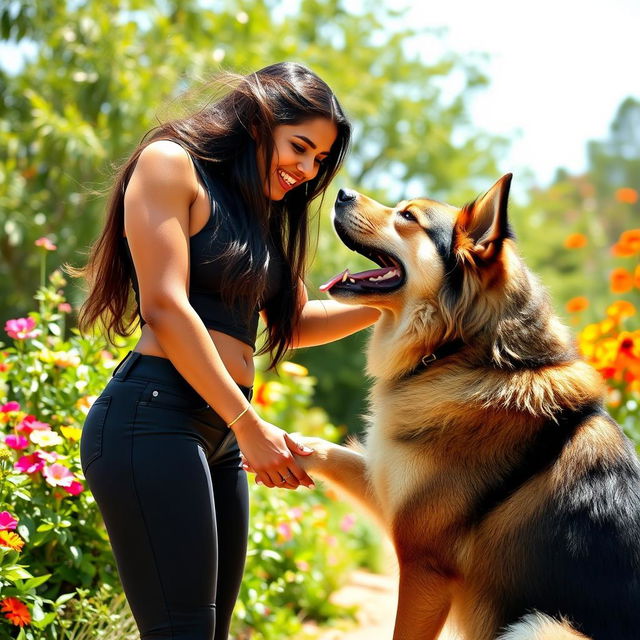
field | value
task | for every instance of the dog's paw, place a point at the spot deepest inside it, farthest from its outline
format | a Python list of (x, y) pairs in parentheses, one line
[(321, 449)]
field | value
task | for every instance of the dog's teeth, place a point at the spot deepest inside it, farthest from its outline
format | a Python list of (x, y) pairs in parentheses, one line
[(386, 276), (351, 280), (345, 275)]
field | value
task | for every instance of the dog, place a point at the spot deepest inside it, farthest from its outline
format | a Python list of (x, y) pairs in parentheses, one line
[(511, 497)]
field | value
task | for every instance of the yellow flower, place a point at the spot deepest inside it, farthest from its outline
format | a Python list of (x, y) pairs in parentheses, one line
[(66, 359), (71, 433), (11, 540), (621, 309), (606, 325), (294, 369), (590, 333)]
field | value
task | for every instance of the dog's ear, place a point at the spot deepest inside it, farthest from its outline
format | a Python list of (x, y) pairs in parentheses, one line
[(484, 221)]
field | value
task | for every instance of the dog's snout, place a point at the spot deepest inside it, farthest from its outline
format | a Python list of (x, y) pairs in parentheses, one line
[(346, 195)]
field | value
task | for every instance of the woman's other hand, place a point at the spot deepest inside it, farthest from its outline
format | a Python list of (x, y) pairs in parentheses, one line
[(268, 452)]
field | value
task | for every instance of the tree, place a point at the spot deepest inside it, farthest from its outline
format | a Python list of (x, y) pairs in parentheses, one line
[(104, 72)]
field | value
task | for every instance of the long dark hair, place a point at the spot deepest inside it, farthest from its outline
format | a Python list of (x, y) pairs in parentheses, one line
[(227, 135)]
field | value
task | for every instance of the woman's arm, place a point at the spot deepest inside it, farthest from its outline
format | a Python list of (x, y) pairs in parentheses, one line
[(157, 202), (323, 321)]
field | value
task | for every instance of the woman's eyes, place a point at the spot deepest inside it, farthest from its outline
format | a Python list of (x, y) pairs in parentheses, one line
[(407, 215), (300, 149)]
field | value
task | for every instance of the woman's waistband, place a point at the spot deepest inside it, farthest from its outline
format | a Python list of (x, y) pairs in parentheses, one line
[(147, 367)]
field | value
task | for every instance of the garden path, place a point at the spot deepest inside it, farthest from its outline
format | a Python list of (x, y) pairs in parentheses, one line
[(376, 596)]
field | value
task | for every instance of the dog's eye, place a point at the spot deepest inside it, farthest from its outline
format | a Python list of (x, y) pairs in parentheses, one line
[(407, 215)]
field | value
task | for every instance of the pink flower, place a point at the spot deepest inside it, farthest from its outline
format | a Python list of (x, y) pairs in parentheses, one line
[(64, 307), (57, 475), (46, 456), (285, 531), (295, 513), (74, 488), (7, 521), (45, 243), (347, 522), (16, 442), (303, 565), (21, 328), (29, 424), (10, 406), (29, 464)]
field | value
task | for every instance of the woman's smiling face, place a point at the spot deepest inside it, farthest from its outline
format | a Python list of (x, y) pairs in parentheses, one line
[(298, 151)]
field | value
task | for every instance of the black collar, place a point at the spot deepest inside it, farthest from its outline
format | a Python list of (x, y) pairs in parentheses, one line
[(443, 351)]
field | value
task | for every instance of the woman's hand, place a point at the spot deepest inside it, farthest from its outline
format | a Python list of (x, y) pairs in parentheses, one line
[(268, 452)]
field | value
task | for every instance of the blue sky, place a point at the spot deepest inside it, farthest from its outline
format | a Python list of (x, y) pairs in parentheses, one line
[(558, 69)]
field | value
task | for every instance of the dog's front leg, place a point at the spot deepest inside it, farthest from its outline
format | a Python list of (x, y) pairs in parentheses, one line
[(344, 468), (423, 603)]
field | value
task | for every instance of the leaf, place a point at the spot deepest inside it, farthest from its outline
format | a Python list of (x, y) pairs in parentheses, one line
[(32, 583), (64, 598), (17, 573), (54, 328)]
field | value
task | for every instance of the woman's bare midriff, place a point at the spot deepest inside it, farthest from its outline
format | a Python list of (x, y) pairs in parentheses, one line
[(236, 356)]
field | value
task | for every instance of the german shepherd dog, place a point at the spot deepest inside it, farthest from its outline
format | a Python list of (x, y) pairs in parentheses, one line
[(511, 497)]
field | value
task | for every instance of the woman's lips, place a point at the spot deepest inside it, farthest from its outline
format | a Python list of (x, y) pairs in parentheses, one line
[(285, 185)]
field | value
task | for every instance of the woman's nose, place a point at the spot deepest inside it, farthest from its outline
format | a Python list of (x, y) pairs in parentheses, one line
[(306, 167)]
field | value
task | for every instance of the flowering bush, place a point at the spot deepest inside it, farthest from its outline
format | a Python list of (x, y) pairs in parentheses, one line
[(57, 574), (612, 343), (51, 539)]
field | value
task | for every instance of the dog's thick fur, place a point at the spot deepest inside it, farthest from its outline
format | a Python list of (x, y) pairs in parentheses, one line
[(511, 497)]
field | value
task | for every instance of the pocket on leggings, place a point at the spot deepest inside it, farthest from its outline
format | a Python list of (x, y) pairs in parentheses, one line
[(166, 397), (91, 440)]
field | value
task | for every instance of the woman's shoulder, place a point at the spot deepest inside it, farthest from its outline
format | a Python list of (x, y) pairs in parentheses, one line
[(165, 152), (166, 163)]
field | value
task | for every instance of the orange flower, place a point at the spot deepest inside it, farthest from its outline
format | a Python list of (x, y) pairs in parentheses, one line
[(631, 237), (11, 540), (575, 305), (621, 280), (622, 250), (620, 309), (575, 241), (636, 277), (628, 244), (15, 611), (627, 195)]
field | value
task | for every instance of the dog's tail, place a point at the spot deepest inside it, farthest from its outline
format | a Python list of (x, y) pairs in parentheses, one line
[(537, 626)]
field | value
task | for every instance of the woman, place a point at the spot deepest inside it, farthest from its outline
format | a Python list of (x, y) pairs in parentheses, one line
[(208, 219)]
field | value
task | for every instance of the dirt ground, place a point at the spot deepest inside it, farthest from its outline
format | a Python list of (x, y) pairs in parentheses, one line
[(375, 595)]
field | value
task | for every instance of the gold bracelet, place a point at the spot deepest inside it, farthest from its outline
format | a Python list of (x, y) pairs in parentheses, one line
[(239, 415)]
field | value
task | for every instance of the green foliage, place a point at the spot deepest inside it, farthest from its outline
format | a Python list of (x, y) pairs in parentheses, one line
[(56, 559)]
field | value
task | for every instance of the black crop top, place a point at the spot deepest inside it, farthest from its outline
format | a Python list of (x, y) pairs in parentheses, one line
[(240, 320)]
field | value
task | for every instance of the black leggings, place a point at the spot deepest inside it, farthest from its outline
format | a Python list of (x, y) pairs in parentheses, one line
[(165, 471)]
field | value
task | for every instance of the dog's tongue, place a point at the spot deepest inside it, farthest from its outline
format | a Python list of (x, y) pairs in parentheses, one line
[(373, 274)]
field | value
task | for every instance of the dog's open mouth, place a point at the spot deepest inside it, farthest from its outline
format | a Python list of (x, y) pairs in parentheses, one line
[(388, 277)]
